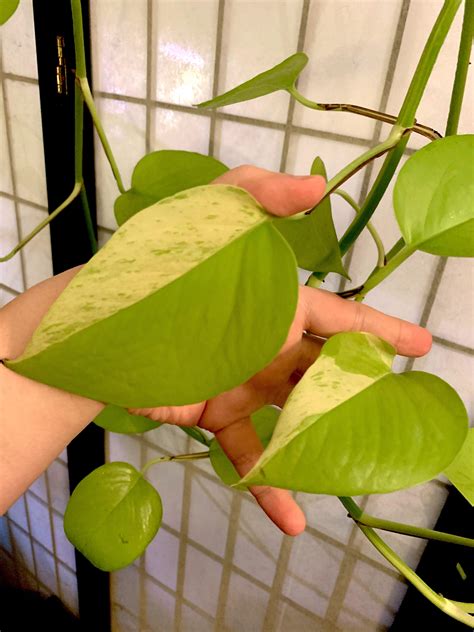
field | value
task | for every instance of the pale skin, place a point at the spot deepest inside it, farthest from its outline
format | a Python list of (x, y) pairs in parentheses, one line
[(38, 421)]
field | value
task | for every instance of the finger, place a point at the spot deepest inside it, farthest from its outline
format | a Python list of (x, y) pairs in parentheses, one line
[(327, 314), (286, 389), (279, 193), (310, 348), (188, 415), (243, 447)]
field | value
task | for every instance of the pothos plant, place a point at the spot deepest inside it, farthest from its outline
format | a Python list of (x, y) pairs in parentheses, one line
[(351, 426)]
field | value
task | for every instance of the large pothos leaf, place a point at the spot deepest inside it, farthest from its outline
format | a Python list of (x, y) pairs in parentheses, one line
[(116, 419), (112, 515), (7, 9), (281, 77), (188, 299), (434, 198), (264, 422), (163, 173), (461, 471), (313, 237), (351, 426)]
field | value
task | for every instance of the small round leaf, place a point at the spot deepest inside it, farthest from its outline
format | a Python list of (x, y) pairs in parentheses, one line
[(112, 516)]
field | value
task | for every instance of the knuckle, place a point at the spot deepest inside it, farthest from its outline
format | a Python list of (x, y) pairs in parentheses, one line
[(244, 462), (261, 492), (401, 335)]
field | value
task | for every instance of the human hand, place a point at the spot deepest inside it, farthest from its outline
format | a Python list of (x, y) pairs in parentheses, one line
[(319, 315)]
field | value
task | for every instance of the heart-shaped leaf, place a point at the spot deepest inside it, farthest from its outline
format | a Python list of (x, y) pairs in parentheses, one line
[(313, 237), (116, 419), (264, 422), (434, 198), (7, 9), (168, 312), (112, 516), (280, 77), (163, 173), (461, 471), (351, 426)]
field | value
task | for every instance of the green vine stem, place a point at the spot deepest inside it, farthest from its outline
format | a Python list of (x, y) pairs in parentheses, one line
[(370, 227), (78, 133), (179, 457), (78, 157), (457, 95), (83, 83), (394, 139), (315, 280), (72, 196), (79, 48), (88, 219), (424, 130), (87, 95), (408, 529), (405, 120), (446, 605), (467, 607), (395, 249), (379, 274)]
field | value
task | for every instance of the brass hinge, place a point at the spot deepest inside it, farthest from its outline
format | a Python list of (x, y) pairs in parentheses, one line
[(61, 68)]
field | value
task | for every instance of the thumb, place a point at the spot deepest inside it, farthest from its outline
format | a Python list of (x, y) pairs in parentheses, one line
[(279, 193)]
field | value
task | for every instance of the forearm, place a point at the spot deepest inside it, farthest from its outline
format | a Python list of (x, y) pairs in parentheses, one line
[(36, 421)]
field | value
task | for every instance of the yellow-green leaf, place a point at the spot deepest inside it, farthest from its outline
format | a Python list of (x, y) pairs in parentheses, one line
[(434, 198), (352, 427), (189, 298)]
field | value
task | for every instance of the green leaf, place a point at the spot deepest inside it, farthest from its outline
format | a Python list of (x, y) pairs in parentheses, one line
[(7, 9), (129, 203), (352, 427), (163, 173), (112, 516), (264, 422), (313, 237), (434, 198), (168, 312), (280, 77), (116, 419), (461, 471)]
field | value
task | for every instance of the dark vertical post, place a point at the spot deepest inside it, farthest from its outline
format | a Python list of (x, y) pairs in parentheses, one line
[(70, 244)]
